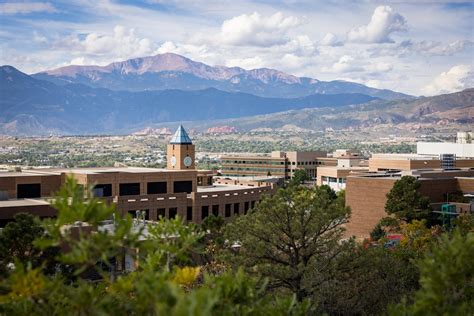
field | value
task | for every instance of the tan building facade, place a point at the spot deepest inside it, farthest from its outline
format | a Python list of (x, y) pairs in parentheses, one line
[(280, 164)]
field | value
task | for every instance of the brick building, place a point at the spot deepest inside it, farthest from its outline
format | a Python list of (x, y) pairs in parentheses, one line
[(366, 193), (179, 189)]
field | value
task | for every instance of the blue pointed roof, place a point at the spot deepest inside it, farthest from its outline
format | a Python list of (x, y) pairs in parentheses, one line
[(181, 137)]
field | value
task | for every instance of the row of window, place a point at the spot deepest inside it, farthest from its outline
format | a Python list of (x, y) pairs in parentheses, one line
[(173, 211), (33, 190), (257, 169), (333, 180), (259, 162), (253, 162), (105, 190), (228, 209)]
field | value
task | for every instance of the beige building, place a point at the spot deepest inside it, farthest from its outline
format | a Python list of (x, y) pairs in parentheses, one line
[(178, 190), (280, 164), (345, 162)]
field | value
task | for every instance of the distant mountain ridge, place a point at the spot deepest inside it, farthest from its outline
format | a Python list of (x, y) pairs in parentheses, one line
[(30, 106), (172, 71), (453, 109)]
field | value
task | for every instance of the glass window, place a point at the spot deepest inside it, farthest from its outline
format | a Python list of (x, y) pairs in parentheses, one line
[(156, 188), (215, 210), (173, 211), (204, 211), (27, 191), (129, 189), (182, 186), (102, 190), (189, 213)]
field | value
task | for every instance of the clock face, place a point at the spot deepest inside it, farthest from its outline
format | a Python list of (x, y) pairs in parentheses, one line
[(188, 161), (173, 161)]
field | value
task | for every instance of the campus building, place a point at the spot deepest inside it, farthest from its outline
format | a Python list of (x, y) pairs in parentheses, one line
[(179, 189), (278, 164), (366, 194), (399, 162), (347, 163)]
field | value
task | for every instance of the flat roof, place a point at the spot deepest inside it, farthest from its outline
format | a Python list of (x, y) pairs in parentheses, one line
[(224, 187), (94, 170), (26, 173), (23, 202)]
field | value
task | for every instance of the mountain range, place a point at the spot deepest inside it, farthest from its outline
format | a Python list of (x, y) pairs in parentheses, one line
[(172, 71), (30, 106), (128, 96)]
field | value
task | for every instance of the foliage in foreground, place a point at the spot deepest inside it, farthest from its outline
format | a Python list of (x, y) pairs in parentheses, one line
[(165, 282), (291, 262)]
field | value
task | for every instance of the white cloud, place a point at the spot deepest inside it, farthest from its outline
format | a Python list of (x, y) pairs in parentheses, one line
[(457, 78), (379, 67), (345, 64), (331, 40), (103, 48), (11, 8), (257, 30), (383, 23)]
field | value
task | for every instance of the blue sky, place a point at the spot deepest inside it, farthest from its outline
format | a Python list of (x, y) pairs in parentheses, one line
[(417, 47)]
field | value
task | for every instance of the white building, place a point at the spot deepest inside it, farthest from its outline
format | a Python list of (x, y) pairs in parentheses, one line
[(464, 150)]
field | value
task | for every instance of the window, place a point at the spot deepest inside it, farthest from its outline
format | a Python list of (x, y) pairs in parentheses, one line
[(161, 212), (156, 188), (102, 190), (204, 212), (236, 208), (246, 207), (173, 211), (27, 191), (215, 210), (252, 204), (129, 189), (182, 186), (228, 210), (189, 213)]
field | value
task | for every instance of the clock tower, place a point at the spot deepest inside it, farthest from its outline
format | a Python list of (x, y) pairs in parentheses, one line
[(180, 152)]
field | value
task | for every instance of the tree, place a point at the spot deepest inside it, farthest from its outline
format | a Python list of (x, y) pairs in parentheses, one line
[(405, 202), (299, 177), (366, 281), (447, 278), (165, 281), (290, 236), (386, 224), (16, 242)]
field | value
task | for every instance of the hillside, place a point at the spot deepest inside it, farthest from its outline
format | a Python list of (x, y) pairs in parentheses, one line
[(172, 71), (456, 109)]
